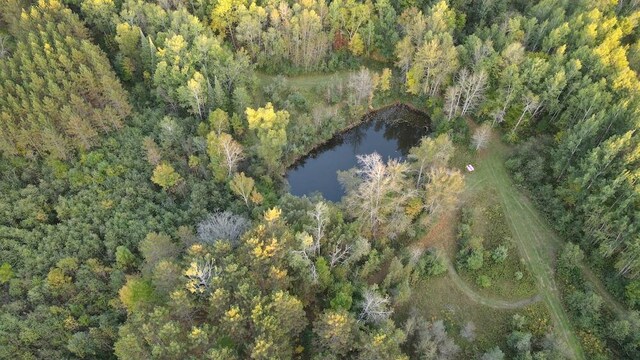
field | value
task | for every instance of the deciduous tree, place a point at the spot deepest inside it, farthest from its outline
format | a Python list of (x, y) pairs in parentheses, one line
[(270, 128), (242, 186), (165, 176)]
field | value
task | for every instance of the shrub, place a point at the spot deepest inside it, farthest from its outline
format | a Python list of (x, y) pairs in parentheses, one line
[(483, 281), (499, 254), (475, 260), (519, 275)]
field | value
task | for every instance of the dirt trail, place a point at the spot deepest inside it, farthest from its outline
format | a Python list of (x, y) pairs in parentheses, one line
[(487, 301)]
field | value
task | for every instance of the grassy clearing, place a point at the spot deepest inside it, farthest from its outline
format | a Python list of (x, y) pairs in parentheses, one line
[(312, 87), (441, 299), (535, 240), (489, 222), (532, 236)]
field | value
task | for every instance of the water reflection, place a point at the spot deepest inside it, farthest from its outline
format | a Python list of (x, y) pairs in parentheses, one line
[(390, 132)]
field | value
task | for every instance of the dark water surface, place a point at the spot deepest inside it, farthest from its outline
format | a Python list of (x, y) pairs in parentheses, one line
[(390, 132)]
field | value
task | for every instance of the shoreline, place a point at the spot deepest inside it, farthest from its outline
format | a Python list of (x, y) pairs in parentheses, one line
[(363, 119)]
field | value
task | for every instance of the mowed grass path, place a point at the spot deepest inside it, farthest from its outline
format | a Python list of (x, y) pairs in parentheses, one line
[(485, 300), (536, 241)]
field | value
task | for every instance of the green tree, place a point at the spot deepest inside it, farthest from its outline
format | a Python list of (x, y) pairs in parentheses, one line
[(442, 190), (99, 13), (493, 354), (137, 294), (63, 92), (335, 332), (125, 258), (632, 293), (430, 153), (156, 247), (6, 273), (165, 176), (219, 121), (225, 153), (195, 94), (383, 344)]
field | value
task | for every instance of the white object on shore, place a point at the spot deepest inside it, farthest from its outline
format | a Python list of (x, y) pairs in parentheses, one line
[(470, 168)]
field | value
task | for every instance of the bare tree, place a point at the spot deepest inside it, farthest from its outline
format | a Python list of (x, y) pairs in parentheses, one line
[(451, 101), (320, 114), (472, 88), (485, 48), (340, 254), (320, 216), (361, 85), (199, 275), (198, 93), (481, 136), (360, 248), (531, 106), (498, 116), (224, 226), (376, 191), (231, 152), (306, 255), (375, 307), (433, 341)]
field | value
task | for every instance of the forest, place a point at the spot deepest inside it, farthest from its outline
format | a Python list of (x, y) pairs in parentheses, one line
[(148, 207)]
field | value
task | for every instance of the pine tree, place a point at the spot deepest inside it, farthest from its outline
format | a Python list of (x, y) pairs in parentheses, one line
[(61, 90)]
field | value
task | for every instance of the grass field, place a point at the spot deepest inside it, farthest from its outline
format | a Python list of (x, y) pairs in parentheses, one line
[(536, 242), (489, 222), (441, 299)]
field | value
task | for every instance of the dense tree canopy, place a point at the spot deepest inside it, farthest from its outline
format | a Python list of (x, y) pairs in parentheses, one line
[(60, 91), (144, 212)]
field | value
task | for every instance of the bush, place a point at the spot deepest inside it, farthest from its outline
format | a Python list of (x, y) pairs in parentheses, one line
[(475, 260), (296, 101), (499, 254), (432, 264), (632, 293), (519, 275), (484, 281)]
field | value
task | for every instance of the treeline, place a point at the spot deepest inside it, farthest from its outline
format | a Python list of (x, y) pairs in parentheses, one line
[(586, 172)]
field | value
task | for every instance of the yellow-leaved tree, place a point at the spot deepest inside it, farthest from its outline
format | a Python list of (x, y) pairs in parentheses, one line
[(270, 127), (165, 176)]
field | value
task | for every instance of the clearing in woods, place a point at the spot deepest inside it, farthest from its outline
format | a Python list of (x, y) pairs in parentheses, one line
[(536, 241)]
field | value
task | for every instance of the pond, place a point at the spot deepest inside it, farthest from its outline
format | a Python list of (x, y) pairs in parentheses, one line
[(390, 132)]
